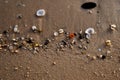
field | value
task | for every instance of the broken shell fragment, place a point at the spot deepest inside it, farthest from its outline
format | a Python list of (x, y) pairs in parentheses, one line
[(40, 12), (61, 31), (113, 27), (16, 29), (108, 43), (90, 31), (71, 35), (88, 36), (34, 28)]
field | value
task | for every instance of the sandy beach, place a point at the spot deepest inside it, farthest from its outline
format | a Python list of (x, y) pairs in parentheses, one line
[(97, 58)]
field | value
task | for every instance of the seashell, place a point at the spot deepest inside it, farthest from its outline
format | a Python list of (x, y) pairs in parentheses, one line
[(16, 29), (113, 27), (40, 12), (34, 27), (61, 31), (90, 31), (88, 36)]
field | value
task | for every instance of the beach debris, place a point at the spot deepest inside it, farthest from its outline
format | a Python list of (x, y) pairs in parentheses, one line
[(94, 57), (88, 36), (16, 68), (34, 28), (90, 31), (102, 57), (80, 46), (40, 12), (16, 29), (56, 34), (54, 63), (74, 41), (72, 35), (108, 52), (99, 49), (113, 27), (81, 35), (61, 31), (47, 41), (19, 16), (90, 11), (108, 43), (88, 5)]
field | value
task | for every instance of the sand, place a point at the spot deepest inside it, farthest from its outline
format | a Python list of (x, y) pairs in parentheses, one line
[(70, 64)]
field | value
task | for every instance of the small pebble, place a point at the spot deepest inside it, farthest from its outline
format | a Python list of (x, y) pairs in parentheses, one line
[(108, 51), (16, 68), (102, 57), (94, 57), (80, 47), (56, 34), (90, 11), (19, 16), (54, 63)]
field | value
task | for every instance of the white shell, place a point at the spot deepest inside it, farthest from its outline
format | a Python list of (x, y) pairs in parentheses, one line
[(90, 31), (113, 27), (88, 35), (41, 12), (61, 31), (34, 27), (16, 28), (56, 34)]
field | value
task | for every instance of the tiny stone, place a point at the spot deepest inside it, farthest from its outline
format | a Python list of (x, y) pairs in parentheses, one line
[(16, 51), (102, 56), (61, 31), (56, 34), (54, 63), (90, 11), (80, 47), (88, 55), (108, 52), (19, 16), (94, 57), (27, 76), (16, 68), (99, 49), (85, 47), (1, 35), (28, 68), (10, 47)]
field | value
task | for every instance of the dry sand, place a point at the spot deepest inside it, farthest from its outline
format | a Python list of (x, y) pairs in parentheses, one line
[(69, 64)]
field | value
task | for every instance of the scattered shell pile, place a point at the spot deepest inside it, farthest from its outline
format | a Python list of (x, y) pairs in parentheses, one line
[(69, 40)]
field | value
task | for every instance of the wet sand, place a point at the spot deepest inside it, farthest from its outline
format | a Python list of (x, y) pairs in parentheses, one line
[(70, 64)]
